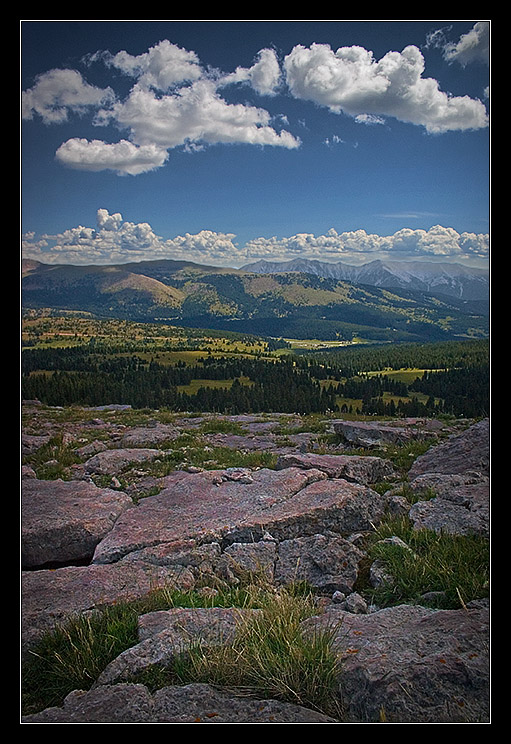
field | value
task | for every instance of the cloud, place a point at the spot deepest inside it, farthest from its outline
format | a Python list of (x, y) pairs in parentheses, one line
[(162, 67), (58, 92), (123, 157), (438, 241), (264, 76), (175, 102), (351, 81), (193, 114), (117, 241), (473, 46)]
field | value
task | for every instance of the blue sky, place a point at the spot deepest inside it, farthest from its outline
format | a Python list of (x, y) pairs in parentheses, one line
[(224, 142)]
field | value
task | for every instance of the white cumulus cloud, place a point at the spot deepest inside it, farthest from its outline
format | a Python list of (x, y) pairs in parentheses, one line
[(176, 102), (438, 242), (162, 67), (121, 157), (264, 75), (58, 92), (115, 240), (194, 114), (352, 81)]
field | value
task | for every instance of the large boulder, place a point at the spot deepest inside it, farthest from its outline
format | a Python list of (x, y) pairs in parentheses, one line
[(327, 562), (365, 470), (369, 434), (456, 472), (50, 597), (460, 453), (63, 522), (215, 506), (410, 664), (113, 461)]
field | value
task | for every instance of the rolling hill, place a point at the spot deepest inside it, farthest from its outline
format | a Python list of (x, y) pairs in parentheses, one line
[(287, 304)]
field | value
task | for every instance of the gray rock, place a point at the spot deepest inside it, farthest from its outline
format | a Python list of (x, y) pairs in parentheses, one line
[(326, 562), (164, 635), (91, 449), (198, 703), (113, 461), (50, 597), (63, 522), (355, 604), (149, 436), (253, 558), (206, 508), (411, 664), (461, 453), (364, 470), (457, 473), (374, 434), (441, 515), (30, 443)]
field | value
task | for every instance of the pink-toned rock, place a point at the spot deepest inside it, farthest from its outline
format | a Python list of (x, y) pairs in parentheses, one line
[(165, 634), (49, 597), (195, 703), (207, 507), (410, 664), (468, 451), (62, 522), (358, 469), (373, 434)]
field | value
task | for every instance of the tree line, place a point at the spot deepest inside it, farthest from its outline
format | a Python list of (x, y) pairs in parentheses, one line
[(456, 381)]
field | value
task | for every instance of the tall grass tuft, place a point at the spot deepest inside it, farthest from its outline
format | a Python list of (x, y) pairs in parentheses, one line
[(269, 657), (72, 656), (455, 568)]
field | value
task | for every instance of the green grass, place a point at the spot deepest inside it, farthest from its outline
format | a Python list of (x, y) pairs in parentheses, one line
[(270, 657), (454, 566), (72, 656), (210, 458), (53, 459)]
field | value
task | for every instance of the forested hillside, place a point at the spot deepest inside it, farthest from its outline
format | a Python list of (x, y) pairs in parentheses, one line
[(296, 305), (247, 375)]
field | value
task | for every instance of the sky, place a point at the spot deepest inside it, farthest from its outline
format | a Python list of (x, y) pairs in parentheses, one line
[(225, 142)]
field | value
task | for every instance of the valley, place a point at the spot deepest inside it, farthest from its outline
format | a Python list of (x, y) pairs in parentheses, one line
[(73, 360)]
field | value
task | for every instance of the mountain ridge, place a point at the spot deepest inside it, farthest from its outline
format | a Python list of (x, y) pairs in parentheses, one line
[(283, 304), (451, 279)]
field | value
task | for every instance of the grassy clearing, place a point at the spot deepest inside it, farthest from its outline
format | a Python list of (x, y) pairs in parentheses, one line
[(195, 385)]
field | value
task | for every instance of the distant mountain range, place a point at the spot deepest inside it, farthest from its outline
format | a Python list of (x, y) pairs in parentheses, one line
[(384, 302), (450, 280)]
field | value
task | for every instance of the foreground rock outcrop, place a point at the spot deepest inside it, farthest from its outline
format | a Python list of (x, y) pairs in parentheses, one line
[(412, 664), (197, 703), (86, 546)]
